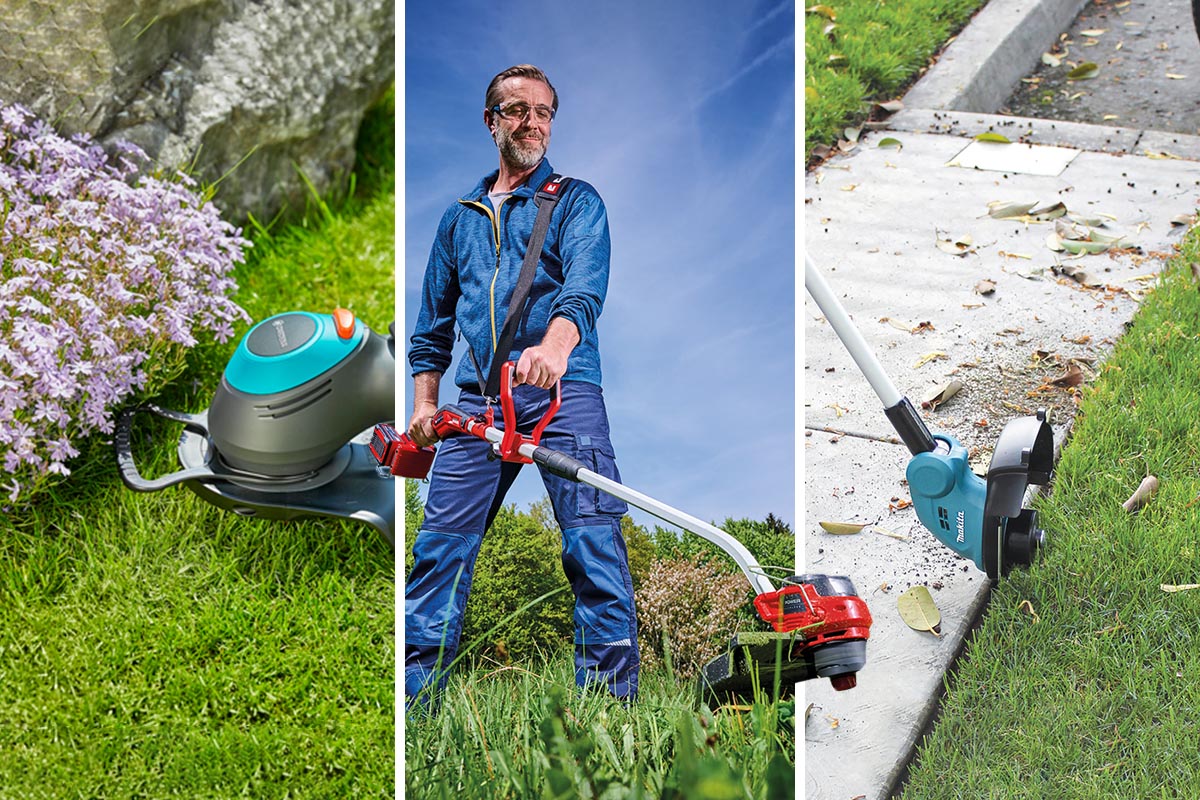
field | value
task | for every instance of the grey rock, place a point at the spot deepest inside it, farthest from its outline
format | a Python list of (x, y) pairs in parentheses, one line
[(246, 94)]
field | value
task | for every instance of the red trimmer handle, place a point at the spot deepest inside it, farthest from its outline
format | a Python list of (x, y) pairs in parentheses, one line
[(509, 447)]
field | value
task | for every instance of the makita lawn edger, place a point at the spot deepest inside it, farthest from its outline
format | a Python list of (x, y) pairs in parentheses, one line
[(285, 434), (981, 519), (820, 624)]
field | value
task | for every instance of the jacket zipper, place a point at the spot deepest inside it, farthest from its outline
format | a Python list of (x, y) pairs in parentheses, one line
[(495, 218)]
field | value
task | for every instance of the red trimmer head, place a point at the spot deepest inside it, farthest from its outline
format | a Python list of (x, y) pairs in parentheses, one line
[(821, 630)]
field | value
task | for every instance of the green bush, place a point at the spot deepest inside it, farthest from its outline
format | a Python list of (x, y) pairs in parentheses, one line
[(520, 560)]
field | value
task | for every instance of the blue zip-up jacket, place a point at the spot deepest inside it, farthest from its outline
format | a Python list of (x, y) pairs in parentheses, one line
[(474, 265)]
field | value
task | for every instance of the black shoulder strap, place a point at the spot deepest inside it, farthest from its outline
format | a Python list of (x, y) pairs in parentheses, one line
[(546, 198)]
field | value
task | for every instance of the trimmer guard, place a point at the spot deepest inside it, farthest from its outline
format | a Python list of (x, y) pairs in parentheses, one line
[(349, 486), (754, 657), (1024, 456)]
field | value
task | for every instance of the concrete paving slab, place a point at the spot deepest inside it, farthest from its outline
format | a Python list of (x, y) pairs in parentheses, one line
[(1021, 157), (856, 741), (872, 221)]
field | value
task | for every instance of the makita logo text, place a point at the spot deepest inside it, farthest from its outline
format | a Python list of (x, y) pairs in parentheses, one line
[(281, 335), (961, 535)]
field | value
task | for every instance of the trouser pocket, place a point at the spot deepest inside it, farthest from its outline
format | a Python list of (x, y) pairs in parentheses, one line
[(596, 454)]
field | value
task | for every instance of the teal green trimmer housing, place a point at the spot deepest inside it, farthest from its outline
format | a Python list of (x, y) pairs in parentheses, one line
[(982, 519), (286, 433)]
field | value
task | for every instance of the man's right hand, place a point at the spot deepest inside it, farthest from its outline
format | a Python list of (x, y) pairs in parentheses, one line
[(420, 425)]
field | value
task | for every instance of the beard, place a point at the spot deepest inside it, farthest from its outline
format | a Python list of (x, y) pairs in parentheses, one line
[(517, 152)]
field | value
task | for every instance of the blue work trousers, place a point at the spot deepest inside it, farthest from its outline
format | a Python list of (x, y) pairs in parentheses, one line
[(466, 491)]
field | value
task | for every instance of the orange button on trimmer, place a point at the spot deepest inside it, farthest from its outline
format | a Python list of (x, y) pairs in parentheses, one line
[(343, 321)]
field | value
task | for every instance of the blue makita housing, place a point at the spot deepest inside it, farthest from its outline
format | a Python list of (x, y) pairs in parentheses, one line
[(984, 520)]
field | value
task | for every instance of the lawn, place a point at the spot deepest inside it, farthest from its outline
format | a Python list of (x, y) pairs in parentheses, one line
[(1099, 694), (860, 52), (154, 646), (525, 731)]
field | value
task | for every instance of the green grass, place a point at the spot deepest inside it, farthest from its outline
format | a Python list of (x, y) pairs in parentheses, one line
[(154, 646), (1100, 696), (526, 732), (873, 50)]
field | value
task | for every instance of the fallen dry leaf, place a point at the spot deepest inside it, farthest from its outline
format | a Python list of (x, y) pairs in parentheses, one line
[(1028, 606), (1077, 274), (1182, 587), (1048, 213), (1141, 496), (936, 355), (885, 532), (957, 245), (998, 209), (942, 395), (1071, 378), (842, 528), (918, 610), (1085, 71)]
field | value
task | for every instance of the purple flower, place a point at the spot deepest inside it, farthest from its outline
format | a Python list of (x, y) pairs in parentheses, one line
[(100, 266)]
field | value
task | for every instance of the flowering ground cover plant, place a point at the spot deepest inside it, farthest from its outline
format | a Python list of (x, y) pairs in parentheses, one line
[(107, 274)]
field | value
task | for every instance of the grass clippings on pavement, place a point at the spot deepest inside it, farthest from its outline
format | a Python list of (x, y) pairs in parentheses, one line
[(1084, 679)]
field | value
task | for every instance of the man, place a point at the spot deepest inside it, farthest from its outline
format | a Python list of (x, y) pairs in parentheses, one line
[(473, 267)]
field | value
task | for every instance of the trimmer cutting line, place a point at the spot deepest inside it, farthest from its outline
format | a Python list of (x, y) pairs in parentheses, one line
[(981, 519), (820, 624)]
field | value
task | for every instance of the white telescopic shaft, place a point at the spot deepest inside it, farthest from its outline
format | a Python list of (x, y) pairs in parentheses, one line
[(736, 550), (815, 283)]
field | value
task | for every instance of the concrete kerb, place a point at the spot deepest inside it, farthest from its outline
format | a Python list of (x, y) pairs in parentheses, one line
[(1001, 45), (872, 215)]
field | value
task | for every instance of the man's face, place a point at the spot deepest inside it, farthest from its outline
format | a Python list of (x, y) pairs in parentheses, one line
[(522, 140)]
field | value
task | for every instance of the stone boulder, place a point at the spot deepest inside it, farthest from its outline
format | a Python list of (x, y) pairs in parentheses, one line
[(250, 93)]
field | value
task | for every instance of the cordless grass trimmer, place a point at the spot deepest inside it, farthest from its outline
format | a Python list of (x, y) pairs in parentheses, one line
[(981, 519), (820, 624)]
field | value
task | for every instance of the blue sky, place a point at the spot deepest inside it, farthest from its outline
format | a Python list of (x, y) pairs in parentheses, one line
[(682, 115)]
